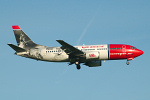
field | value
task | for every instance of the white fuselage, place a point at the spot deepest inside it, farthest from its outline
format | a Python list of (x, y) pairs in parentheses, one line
[(56, 54)]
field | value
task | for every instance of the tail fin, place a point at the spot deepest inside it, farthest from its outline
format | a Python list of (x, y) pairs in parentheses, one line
[(22, 39)]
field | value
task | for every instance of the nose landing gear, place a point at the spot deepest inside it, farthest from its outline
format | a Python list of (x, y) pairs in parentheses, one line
[(127, 62), (128, 59)]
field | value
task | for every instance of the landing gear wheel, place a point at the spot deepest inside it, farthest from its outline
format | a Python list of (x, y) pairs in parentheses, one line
[(127, 63), (78, 67)]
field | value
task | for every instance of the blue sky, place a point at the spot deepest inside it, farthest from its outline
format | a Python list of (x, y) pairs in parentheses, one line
[(77, 22)]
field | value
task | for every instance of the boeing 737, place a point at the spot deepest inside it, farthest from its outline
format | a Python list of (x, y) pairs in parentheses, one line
[(89, 55)]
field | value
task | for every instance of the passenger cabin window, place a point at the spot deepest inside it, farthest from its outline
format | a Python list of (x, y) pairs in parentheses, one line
[(113, 48)]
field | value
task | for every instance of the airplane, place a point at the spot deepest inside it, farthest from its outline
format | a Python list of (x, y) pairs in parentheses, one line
[(89, 55)]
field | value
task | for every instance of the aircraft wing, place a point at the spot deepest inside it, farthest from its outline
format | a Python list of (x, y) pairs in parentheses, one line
[(69, 49)]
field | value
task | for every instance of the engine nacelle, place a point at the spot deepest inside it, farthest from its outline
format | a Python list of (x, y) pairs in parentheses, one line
[(93, 63), (92, 55)]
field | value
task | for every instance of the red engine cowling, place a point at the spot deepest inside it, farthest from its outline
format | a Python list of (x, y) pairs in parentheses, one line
[(92, 55), (93, 63)]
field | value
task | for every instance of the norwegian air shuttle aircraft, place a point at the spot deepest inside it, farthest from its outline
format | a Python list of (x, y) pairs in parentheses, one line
[(90, 55)]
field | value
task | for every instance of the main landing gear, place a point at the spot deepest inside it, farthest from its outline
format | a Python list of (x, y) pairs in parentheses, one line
[(78, 65)]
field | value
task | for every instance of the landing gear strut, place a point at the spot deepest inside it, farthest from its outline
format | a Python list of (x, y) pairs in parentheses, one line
[(77, 65)]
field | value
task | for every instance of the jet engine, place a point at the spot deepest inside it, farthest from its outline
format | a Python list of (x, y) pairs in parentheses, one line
[(93, 63)]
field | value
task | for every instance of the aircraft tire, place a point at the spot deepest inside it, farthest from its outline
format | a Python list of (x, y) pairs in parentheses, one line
[(127, 63), (78, 67)]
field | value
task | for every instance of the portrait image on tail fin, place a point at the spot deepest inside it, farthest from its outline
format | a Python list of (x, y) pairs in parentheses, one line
[(22, 39)]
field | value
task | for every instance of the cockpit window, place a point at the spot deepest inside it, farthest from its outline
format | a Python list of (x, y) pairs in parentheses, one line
[(133, 47)]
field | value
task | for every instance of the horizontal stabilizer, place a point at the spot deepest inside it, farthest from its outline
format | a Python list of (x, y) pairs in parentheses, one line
[(16, 48)]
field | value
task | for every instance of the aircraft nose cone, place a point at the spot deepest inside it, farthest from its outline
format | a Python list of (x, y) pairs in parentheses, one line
[(140, 52)]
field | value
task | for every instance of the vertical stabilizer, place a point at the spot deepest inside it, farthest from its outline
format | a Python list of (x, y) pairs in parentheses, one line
[(22, 39)]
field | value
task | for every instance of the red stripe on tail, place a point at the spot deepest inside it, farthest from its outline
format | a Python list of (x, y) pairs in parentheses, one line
[(15, 27)]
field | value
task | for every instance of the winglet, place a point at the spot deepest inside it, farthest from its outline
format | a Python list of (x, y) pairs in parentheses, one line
[(16, 27)]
